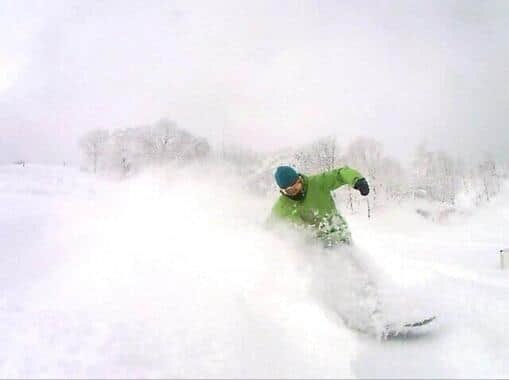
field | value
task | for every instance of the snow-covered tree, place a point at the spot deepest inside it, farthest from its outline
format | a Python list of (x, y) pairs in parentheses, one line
[(94, 145), (317, 156), (124, 150), (437, 174), (490, 177), (127, 150), (365, 155), (393, 180)]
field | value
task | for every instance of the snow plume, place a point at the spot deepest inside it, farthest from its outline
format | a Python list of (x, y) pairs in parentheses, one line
[(171, 274), (346, 291)]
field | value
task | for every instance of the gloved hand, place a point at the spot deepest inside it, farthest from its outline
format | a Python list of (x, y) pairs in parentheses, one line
[(362, 185)]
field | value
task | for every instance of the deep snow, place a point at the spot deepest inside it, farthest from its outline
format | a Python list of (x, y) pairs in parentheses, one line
[(175, 275)]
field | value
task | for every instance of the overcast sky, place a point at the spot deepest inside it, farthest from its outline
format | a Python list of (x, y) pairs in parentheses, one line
[(265, 74)]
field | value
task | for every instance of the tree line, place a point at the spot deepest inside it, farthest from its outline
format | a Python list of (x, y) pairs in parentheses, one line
[(431, 175), (126, 151)]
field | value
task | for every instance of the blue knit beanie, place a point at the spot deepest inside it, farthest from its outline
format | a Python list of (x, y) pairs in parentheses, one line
[(285, 176)]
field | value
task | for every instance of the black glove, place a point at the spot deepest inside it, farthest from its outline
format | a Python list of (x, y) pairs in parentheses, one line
[(362, 185)]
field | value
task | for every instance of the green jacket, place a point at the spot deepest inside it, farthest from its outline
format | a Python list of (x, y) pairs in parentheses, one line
[(317, 210)]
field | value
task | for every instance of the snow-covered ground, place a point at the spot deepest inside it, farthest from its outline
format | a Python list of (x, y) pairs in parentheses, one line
[(174, 274)]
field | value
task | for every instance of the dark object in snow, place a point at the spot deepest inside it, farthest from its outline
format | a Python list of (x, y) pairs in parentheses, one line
[(420, 323), (423, 213), (437, 215), (392, 330), (420, 194)]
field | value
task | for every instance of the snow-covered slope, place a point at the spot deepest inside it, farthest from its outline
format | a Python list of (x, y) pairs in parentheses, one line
[(454, 268), (173, 274)]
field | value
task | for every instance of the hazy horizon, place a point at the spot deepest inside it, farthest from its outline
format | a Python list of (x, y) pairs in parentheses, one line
[(264, 75)]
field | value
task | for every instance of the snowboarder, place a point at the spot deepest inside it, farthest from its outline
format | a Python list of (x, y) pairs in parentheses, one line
[(306, 201)]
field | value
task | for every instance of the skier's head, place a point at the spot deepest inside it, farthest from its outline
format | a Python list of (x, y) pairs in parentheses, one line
[(288, 180), (286, 176)]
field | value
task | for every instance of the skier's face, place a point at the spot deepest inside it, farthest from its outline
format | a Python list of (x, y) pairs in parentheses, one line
[(295, 189)]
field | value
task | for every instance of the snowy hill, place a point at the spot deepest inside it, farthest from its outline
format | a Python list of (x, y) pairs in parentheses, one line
[(173, 274)]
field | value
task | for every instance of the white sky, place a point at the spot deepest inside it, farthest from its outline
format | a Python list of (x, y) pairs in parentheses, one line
[(267, 74)]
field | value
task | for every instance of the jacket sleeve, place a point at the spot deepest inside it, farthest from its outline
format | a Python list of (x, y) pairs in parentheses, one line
[(332, 179)]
